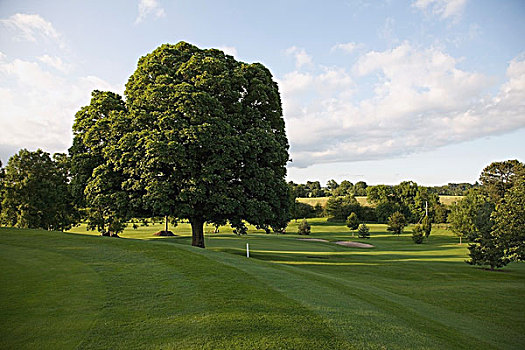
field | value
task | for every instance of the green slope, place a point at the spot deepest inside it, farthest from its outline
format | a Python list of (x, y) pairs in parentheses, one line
[(68, 291), (162, 293)]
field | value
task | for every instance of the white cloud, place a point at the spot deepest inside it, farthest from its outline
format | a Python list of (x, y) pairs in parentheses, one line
[(31, 27), (445, 9), (300, 55), (229, 50), (39, 105), (394, 103), (149, 8), (56, 62), (347, 47)]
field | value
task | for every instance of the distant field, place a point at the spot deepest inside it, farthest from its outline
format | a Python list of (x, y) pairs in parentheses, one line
[(447, 200), (450, 200), (152, 292)]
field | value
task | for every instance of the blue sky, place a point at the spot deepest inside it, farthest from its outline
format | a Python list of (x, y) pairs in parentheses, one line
[(375, 91)]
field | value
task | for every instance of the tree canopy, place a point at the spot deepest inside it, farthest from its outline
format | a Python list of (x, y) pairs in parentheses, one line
[(35, 192), (200, 137), (498, 177)]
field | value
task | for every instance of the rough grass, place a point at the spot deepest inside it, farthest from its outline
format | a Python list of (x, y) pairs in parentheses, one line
[(158, 292)]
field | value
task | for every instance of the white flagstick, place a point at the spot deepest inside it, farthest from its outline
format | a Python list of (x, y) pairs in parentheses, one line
[(247, 250)]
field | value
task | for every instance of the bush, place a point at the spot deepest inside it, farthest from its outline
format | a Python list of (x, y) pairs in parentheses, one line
[(363, 231), (418, 234), (304, 228)]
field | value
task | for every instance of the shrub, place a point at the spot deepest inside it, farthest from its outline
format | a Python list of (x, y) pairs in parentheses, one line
[(304, 228), (363, 231), (418, 234)]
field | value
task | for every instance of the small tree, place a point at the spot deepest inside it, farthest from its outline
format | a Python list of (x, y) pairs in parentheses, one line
[(418, 233), (352, 221), (396, 223), (304, 228), (426, 226), (363, 231)]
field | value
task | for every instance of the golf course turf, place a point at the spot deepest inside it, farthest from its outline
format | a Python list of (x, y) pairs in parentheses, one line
[(78, 290)]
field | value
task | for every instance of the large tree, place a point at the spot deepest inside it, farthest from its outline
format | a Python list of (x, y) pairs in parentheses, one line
[(204, 140), (35, 192), (96, 184), (498, 177), (509, 218)]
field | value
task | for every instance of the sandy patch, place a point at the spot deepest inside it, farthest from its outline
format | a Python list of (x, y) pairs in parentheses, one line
[(312, 239), (354, 244)]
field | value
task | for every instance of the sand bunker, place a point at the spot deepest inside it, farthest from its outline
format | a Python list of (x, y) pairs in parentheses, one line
[(312, 239), (354, 244)]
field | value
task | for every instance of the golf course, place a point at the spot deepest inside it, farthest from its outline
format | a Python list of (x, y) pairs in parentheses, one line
[(80, 290)]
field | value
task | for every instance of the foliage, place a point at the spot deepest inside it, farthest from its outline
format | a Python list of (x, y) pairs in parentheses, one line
[(35, 192), (472, 218), (509, 222), (363, 231), (302, 210), (471, 215), (96, 184), (426, 226), (440, 213), (345, 188), (407, 198), (499, 177), (360, 188), (2, 177), (304, 228), (396, 223), (338, 208), (200, 137), (418, 234), (384, 210), (454, 189), (352, 221), (331, 185)]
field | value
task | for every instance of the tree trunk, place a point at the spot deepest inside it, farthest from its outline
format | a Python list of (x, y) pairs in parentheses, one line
[(197, 232), (166, 223)]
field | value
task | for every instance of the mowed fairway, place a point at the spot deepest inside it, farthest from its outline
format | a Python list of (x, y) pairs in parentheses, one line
[(65, 290)]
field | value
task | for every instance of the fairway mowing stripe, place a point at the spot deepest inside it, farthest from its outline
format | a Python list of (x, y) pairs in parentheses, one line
[(409, 307)]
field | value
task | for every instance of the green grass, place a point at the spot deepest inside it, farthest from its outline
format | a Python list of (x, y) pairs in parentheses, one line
[(64, 290)]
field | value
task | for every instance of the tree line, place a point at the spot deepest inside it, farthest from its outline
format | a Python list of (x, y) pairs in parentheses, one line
[(313, 189), (408, 198)]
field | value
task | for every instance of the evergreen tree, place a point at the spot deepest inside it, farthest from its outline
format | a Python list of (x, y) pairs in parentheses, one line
[(363, 231)]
